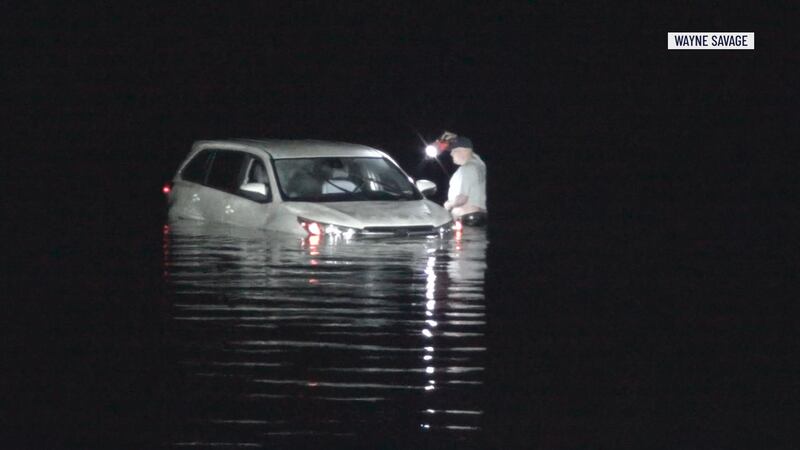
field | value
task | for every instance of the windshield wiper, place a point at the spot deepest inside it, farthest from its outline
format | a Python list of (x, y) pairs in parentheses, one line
[(337, 186), (392, 189), (328, 181)]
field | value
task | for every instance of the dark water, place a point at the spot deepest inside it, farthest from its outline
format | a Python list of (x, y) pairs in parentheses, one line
[(283, 341), (548, 334)]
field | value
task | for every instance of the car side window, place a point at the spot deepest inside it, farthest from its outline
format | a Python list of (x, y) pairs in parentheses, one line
[(226, 170), (257, 172), (196, 170)]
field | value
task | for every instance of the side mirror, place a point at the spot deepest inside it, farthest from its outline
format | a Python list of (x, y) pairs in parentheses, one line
[(260, 190), (427, 187)]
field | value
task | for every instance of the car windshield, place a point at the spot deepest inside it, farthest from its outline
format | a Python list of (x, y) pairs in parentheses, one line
[(342, 179)]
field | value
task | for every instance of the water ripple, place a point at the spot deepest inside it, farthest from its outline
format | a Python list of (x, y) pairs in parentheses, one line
[(282, 338)]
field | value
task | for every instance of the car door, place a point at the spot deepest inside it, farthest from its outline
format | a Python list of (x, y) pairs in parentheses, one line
[(189, 193), (251, 204), (224, 176)]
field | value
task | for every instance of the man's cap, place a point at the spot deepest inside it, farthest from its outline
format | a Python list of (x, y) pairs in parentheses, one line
[(460, 141)]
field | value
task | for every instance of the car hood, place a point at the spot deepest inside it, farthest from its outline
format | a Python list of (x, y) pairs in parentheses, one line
[(374, 213)]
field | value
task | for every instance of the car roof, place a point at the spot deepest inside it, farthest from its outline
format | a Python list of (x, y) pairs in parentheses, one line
[(284, 148)]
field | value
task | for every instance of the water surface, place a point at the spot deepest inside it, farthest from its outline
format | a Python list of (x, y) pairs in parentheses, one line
[(282, 341)]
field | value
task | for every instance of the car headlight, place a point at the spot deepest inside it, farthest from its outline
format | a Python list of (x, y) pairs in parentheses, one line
[(317, 228)]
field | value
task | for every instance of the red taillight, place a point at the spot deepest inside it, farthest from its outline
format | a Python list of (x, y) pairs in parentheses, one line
[(167, 188), (458, 226)]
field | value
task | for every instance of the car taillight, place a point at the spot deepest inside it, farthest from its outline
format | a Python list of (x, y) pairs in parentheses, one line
[(167, 188), (458, 226)]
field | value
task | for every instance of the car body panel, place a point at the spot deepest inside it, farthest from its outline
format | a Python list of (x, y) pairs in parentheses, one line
[(378, 213), (286, 149), (237, 210), (193, 200)]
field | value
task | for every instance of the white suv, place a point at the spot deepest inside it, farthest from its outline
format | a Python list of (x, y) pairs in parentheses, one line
[(303, 187)]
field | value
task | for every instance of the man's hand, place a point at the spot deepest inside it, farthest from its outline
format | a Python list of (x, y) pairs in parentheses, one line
[(460, 200)]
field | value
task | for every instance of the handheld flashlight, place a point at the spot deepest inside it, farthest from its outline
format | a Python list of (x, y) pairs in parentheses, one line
[(433, 149)]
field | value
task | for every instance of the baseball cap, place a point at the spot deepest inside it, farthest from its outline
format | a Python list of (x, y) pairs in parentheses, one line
[(460, 141)]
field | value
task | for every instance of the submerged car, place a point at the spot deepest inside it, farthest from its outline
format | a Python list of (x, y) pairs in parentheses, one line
[(303, 187)]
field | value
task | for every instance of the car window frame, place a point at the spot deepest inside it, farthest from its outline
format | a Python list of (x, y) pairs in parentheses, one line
[(243, 169), (389, 161), (209, 159), (239, 176), (248, 165)]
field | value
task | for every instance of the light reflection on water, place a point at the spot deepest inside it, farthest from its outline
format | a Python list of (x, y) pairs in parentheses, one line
[(280, 339)]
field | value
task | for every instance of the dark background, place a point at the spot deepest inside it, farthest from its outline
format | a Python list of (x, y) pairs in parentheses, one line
[(640, 198)]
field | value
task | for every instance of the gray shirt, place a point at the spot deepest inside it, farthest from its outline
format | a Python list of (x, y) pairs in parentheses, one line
[(470, 180)]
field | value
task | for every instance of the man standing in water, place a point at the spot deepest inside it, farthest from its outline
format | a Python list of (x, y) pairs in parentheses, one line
[(466, 197)]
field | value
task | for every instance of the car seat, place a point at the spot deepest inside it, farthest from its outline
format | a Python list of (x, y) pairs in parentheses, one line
[(338, 183)]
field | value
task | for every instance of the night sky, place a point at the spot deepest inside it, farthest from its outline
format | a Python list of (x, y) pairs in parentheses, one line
[(663, 180), (552, 94)]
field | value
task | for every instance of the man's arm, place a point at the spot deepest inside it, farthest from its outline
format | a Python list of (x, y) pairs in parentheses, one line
[(469, 176), (460, 200)]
